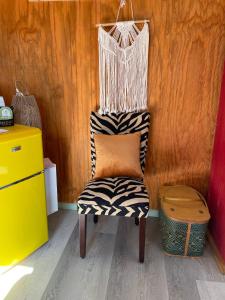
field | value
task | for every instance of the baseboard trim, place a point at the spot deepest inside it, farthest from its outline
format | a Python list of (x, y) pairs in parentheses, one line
[(154, 213), (70, 206), (219, 259)]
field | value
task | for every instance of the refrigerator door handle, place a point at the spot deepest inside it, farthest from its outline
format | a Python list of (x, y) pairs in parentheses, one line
[(21, 180), (16, 148)]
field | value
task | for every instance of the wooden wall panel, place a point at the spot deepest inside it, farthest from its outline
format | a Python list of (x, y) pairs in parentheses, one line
[(52, 46)]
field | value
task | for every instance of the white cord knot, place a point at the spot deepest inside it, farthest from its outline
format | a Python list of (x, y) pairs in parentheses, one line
[(122, 3)]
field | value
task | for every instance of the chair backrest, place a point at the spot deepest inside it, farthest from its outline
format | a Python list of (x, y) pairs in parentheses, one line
[(122, 123)]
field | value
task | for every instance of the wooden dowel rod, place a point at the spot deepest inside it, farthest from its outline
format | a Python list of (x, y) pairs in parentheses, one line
[(111, 24)]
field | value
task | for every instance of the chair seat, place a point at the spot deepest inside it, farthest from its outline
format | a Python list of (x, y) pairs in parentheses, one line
[(119, 196)]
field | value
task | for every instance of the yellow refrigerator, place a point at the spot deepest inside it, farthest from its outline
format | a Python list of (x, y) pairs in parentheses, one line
[(23, 219)]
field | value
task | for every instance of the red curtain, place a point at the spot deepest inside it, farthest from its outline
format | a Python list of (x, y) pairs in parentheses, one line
[(216, 196)]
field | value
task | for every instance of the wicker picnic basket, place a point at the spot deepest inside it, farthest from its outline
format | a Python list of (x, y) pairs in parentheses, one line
[(184, 219)]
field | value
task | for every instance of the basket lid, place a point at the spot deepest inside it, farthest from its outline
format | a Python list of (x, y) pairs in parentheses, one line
[(184, 211), (179, 192)]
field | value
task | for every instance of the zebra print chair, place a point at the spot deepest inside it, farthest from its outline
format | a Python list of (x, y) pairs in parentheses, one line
[(130, 194)]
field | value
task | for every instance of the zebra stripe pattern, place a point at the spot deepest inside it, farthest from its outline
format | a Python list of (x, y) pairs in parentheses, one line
[(122, 123), (119, 196)]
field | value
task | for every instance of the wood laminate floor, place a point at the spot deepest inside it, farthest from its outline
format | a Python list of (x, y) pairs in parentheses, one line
[(28, 279), (111, 270)]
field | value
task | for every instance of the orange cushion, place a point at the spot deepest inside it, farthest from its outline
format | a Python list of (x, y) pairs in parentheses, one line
[(117, 155)]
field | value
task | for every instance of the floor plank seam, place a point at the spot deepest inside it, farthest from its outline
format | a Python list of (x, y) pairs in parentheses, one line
[(114, 246)]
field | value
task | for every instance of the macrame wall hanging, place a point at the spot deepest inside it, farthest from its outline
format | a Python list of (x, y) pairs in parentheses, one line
[(123, 65)]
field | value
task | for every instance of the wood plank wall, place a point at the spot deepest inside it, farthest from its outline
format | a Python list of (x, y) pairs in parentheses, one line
[(52, 46)]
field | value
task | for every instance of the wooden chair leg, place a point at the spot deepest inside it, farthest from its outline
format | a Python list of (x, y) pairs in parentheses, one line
[(95, 219), (82, 233), (142, 240), (137, 221)]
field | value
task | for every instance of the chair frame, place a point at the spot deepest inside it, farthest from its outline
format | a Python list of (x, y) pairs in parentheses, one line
[(83, 235), (83, 229)]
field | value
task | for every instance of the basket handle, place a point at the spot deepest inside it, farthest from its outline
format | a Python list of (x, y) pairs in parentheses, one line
[(20, 88), (202, 198)]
